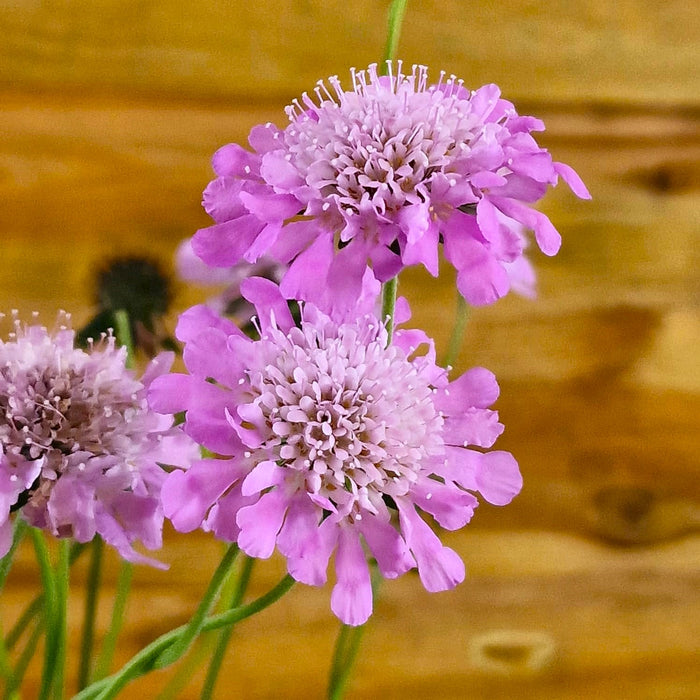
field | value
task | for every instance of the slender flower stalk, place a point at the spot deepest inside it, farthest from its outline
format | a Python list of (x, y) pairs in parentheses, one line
[(240, 587), (62, 587), (145, 660), (389, 290), (35, 607), (50, 613), (457, 335), (196, 623), (103, 664), (92, 589), (397, 9), (12, 688)]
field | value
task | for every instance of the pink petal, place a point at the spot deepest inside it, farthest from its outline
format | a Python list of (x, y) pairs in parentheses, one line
[(265, 295), (262, 244), (221, 200), (260, 524), (477, 388), (261, 477), (306, 543), (232, 159), (279, 172), (225, 244), (476, 426), (460, 465), (188, 495), (351, 599), (306, 278), (198, 319), (571, 178), (547, 237), (387, 546), (439, 567), (206, 356), (222, 516), (295, 237), (451, 507), (499, 478), (271, 207), (264, 137), (170, 393)]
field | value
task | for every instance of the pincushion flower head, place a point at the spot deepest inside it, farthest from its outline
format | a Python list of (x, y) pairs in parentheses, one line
[(329, 441), (80, 448), (380, 174)]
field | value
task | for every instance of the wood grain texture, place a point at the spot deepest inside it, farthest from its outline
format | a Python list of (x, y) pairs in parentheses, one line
[(630, 51), (109, 117)]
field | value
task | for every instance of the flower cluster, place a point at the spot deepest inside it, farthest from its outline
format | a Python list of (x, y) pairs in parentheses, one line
[(327, 432), (330, 438), (382, 174), (81, 451)]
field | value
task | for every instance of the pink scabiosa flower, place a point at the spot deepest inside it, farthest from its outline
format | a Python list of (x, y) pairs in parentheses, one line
[(329, 441), (81, 451), (380, 174)]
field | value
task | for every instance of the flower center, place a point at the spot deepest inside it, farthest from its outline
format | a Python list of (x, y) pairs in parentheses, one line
[(352, 418), (378, 147)]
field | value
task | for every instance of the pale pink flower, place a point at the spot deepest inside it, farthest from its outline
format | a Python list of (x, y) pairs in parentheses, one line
[(381, 174), (81, 451), (330, 440)]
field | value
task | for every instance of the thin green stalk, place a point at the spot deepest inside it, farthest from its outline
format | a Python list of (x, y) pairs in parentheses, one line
[(109, 643), (14, 684), (195, 625), (122, 331), (200, 652), (146, 659), (92, 588), (396, 13), (457, 337), (36, 605), (19, 529), (5, 665), (388, 305), (225, 634), (22, 624), (48, 581), (62, 587)]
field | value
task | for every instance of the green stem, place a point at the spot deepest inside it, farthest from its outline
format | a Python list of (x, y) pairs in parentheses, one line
[(62, 587), (13, 685), (388, 305), (36, 605), (146, 659), (457, 337), (201, 651), (122, 332), (396, 13), (91, 594), (22, 624), (51, 614), (109, 643), (19, 529), (195, 625), (225, 634)]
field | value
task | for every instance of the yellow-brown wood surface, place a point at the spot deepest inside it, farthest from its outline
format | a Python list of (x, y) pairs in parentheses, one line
[(587, 584)]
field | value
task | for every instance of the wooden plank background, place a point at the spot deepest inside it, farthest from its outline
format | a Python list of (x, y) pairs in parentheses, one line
[(110, 112)]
